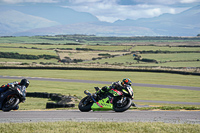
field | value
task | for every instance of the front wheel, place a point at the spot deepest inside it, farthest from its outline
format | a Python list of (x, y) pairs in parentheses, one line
[(10, 103), (85, 104), (121, 104)]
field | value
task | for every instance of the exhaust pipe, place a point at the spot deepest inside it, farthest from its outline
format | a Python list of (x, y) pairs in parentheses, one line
[(87, 93)]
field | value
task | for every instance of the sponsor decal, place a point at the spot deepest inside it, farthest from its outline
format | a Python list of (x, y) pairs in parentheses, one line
[(99, 105), (118, 92)]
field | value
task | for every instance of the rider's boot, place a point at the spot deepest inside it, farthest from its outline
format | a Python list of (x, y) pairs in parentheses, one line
[(16, 108), (133, 104)]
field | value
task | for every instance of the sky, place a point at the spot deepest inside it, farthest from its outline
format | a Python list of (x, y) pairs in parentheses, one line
[(113, 10)]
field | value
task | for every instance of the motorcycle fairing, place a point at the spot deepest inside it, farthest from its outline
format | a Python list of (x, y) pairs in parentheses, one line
[(115, 92), (103, 104)]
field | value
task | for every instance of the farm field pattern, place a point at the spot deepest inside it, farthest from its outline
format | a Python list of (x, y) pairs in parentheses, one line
[(100, 51)]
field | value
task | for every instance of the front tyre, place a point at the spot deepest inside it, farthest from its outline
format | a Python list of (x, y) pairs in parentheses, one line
[(121, 104), (85, 104), (10, 103)]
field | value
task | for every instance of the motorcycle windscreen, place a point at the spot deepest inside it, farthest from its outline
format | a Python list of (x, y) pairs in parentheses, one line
[(23, 90)]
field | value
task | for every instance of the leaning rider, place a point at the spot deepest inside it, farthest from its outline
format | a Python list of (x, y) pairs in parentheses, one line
[(4, 88), (115, 85), (24, 82)]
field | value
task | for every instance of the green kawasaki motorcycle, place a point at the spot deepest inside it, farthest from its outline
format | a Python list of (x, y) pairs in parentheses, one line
[(119, 101)]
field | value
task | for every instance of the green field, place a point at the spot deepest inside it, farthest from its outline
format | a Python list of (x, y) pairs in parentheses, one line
[(164, 48), (33, 40), (100, 127), (110, 47), (120, 49), (168, 60), (28, 51), (38, 46)]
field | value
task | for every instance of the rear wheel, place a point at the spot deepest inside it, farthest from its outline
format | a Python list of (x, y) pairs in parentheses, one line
[(85, 104), (10, 103), (121, 104)]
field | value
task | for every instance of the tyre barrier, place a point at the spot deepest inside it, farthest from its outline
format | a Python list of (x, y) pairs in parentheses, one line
[(57, 105), (38, 94), (62, 101)]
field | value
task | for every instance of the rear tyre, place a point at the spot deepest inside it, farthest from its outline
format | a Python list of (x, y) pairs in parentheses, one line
[(10, 103), (85, 104), (121, 106)]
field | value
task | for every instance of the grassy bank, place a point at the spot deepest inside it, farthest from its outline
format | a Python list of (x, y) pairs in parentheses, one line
[(136, 77), (100, 127)]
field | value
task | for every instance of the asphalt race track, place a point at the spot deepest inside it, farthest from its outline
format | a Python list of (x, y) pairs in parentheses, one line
[(101, 82), (192, 117)]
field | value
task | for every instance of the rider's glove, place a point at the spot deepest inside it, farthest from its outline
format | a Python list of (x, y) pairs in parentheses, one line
[(105, 88), (94, 95), (15, 83), (115, 84)]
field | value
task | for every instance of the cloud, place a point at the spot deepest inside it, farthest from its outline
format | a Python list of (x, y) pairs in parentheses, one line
[(92, 1), (163, 2), (189, 1), (84, 1), (30, 1), (112, 10)]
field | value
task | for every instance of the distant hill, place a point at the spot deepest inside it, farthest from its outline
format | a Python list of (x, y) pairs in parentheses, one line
[(12, 21), (99, 29), (186, 23), (56, 13), (30, 21), (17, 19)]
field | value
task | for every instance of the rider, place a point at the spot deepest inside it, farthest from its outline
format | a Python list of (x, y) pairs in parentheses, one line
[(115, 85), (4, 88), (24, 82)]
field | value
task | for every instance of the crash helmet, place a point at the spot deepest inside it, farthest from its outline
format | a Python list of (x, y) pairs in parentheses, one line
[(126, 81), (24, 82)]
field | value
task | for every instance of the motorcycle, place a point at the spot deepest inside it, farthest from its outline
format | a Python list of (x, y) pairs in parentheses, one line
[(10, 99), (119, 101)]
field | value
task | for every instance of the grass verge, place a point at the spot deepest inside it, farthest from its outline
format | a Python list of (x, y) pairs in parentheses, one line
[(167, 108), (100, 127)]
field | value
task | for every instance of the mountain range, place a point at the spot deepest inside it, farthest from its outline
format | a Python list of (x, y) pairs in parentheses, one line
[(40, 20)]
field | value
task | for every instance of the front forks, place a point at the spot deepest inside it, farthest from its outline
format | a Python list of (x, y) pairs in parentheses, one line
[(121, 101), (11, 99)]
